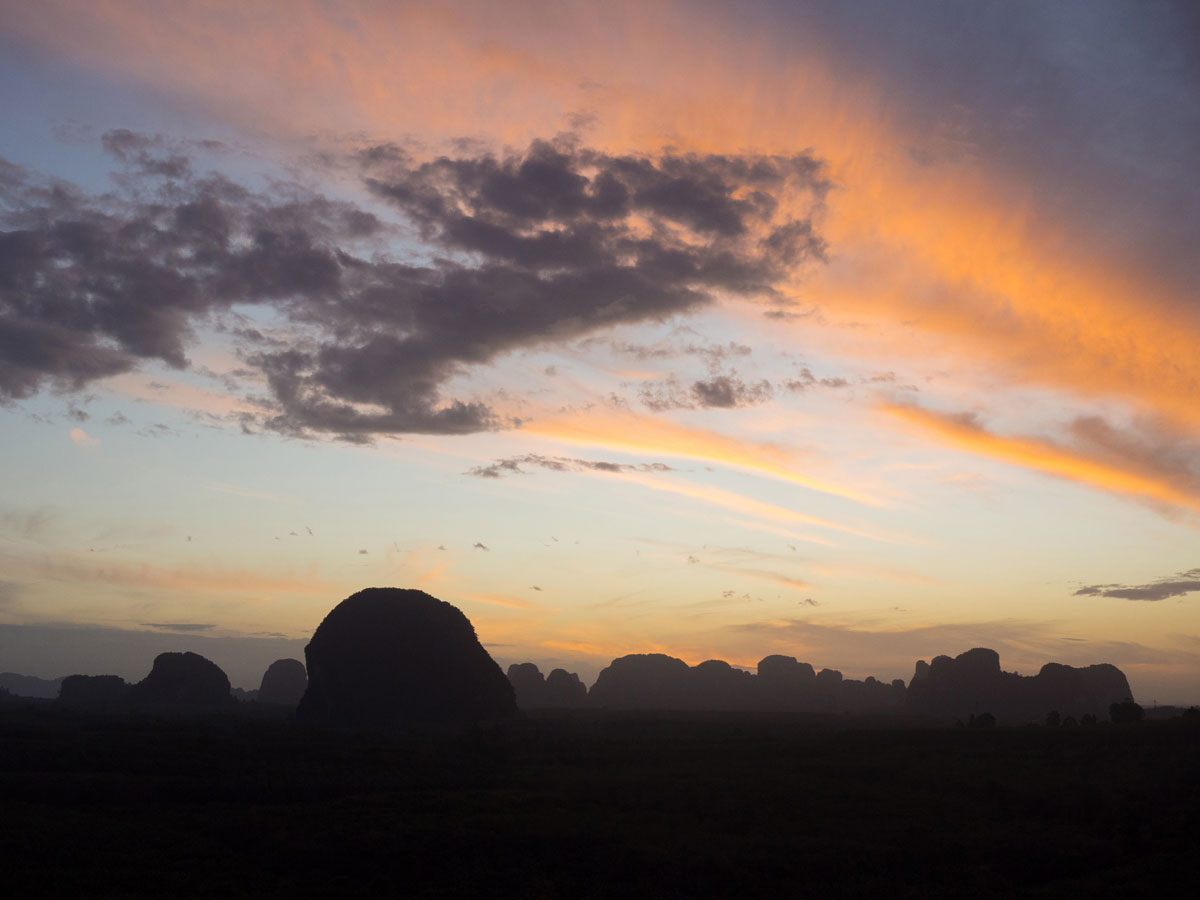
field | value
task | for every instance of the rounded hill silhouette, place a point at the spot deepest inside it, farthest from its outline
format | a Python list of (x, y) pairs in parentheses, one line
[(94, 691), (973, 682), (183, 681), (283, 683), (389, 656)]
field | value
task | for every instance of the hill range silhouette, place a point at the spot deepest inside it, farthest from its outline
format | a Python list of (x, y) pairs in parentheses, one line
[(391, 656)]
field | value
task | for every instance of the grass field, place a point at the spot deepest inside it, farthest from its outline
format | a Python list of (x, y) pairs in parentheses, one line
[(598, 805)]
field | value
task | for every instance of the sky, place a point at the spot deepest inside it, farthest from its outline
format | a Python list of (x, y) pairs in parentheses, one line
[(860, 333)]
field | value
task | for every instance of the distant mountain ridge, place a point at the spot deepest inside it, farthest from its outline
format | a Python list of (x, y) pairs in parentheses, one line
[(946, 689), (973, 683), (392, 656), (30, 685)]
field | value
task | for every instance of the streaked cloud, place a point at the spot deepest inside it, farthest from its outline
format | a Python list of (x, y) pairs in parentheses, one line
[(627, 431), (507, 601), (1179, 585), (82, 567), (744, 505), (1133, 479), (512, 466)]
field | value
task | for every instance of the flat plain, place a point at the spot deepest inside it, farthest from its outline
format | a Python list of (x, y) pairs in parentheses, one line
[(594, 804)]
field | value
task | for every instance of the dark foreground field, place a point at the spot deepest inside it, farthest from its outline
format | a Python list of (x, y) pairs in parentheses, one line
[(595, 805)]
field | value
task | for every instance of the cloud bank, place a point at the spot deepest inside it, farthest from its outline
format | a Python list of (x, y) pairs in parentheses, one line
[(505, 252)]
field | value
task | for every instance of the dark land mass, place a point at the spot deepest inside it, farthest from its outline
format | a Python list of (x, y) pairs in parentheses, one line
[(972, 683), (182, 681), (283, 683), (29, 685), (388, 657), (594, 804), (405, 769), (946, 690)]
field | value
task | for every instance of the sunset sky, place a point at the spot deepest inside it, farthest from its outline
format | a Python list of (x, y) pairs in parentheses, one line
[(858, 332)]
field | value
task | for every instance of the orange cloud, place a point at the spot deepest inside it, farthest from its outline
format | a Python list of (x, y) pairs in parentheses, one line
[(765, 575), (178, 395), (1045, 456), (739, 503), (978, 264), (508, 601), (631, 432)]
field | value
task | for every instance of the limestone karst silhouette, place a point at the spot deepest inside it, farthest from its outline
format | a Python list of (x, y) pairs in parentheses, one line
[(644, 681), (564, 689), (948, 688), (283, 683), (183, 681), (529, 685), (558, 690), (98, 692), (391, 657), (973, 683), (657, 681)]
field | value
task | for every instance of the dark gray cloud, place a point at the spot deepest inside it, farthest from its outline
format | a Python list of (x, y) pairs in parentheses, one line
[(178, 626), (518, 250), (729, 391), (146, 154), (1173, 586), (806, 379), (720, 391), (713, 355), (512, 466)]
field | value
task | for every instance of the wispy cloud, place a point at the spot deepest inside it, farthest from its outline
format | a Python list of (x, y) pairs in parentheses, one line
[(512, 466), (82, 439), (85, 568), (632, 432), (965, 433), (1178, 585), (507, 601), (744, 505)]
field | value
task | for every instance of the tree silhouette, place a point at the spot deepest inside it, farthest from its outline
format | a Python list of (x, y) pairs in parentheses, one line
[(1126, 712)]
